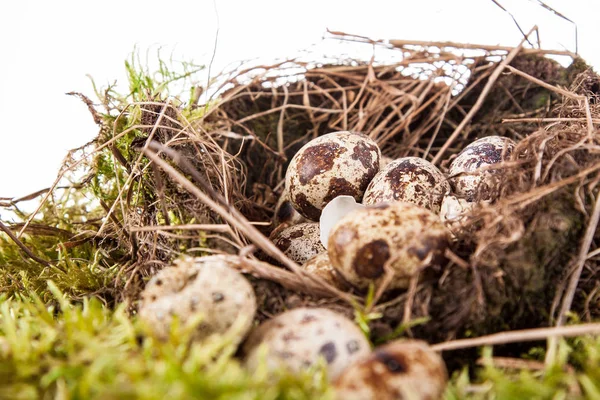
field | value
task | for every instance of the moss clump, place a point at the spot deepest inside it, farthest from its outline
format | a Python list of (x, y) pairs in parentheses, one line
[(88, 351)]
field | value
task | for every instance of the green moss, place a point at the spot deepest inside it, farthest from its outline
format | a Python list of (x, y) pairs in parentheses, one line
[(87, 351), (559, 381)]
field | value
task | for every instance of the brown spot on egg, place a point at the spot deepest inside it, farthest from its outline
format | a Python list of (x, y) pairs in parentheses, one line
[(352, 346), (317, 159), (362, 152), (296, 233), (306, 207), (283, 243), (394, 363), (371, 259), (307, 319), (218, 297), (409, 167), (329, 352), (340, 187)]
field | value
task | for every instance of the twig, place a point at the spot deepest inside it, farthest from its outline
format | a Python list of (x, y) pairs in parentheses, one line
[(488, 86), (473, 46), (545, 120), (526, 335), (22, 246)]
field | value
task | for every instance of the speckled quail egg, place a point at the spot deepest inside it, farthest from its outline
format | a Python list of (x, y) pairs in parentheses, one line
[(300, 242), (299, 338), (468, 181), (285, 213), (398, 236), (399, 370), (206, 288), (454, 212), (409, 179), (339, 163), (320, 265)]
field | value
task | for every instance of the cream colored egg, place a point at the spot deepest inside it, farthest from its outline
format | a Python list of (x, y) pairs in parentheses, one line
[(409, 179), (468, 174), (300, 242), (300, 338), (339, 163), (400, 370), (400, 237), (199, 288)]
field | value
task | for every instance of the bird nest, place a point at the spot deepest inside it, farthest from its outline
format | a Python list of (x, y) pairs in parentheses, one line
[(165, 178)]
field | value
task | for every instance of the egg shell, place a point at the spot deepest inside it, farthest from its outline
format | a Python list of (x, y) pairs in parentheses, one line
[(320, 265), (454, 212), (299, 338), (464, 175), (207, 288), (285, 213), (338, 163), (400, 236), (409, 179), (300, 242), (399, 370)]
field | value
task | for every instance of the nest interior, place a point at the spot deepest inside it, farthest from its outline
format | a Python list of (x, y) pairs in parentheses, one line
[(216, 172)]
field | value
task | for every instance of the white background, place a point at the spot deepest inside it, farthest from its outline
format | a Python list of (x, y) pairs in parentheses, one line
[(48, 48)]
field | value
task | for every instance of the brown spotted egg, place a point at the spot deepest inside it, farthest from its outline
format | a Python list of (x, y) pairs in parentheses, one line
[(320, 265), (300, 242), (303, 337), (406, 369), (400, 237), (409, 179), (285, 213), (339, 163), (468, 179), (199, 288)]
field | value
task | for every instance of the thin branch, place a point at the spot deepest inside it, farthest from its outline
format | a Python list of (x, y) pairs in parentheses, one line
[(526, 335), (22, 246)]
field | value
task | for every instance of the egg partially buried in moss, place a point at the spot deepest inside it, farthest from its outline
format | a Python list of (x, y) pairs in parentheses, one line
[(300, 242), (205, 288), (400, 236), (409, 179), (298, 339), (467, 174), (399, 370), (339, 163)]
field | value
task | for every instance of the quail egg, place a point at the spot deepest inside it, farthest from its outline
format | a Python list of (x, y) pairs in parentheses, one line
[(300, 242), (399, 370), (471, 183), (299, 338), (339, 163), (409, 179), (398, 236), (320, 265), (285, 213), (204, 288)]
